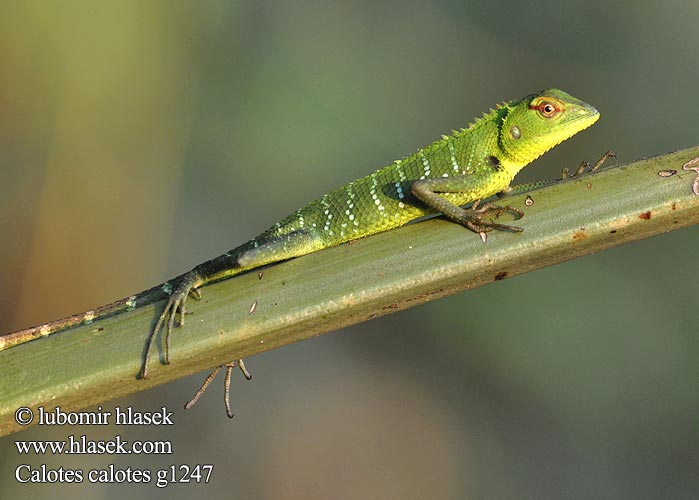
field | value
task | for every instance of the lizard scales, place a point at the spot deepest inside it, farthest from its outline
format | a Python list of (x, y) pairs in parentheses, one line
[(466, 167)]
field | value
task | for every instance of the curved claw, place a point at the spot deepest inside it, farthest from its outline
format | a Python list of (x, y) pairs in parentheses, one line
[(518, 213), (478, 225), (492, 209), (505, 227), (166, 321)]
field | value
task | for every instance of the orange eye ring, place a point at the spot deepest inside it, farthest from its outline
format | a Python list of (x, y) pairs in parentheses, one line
[(547, 109)]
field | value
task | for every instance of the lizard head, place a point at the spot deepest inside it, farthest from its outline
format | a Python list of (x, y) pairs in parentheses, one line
[(540, 121)]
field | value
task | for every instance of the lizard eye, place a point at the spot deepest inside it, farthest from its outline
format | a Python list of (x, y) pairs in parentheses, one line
[(547, 109)]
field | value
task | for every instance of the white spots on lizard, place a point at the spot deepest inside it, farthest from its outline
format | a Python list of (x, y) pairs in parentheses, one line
[(469, 162), (131, 303), (403, 178), (452, 153), (425, 165), (350, 207), (350, 217), (299, 215), (399, 169), (167, 288), (374, 194), (89, 316), (374, 185), (328, 215)]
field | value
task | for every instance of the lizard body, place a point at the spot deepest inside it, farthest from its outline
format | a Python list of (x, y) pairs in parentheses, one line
[(468, 166)]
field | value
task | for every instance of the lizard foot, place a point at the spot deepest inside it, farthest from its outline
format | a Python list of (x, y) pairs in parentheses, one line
[(473, 218), (183, 287), (226, 385), (690, 166), (565, 173)]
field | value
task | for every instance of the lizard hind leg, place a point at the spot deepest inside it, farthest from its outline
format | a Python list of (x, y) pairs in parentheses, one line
[(265, 249)]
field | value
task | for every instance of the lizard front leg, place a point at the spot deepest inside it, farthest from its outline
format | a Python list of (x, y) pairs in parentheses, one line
[(565, 175), (226, 385)]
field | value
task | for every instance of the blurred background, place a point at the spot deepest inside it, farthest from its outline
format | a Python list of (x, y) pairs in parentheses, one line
[(138, 139)]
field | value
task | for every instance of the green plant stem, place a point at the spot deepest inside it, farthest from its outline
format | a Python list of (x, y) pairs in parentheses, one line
[(348, 284)]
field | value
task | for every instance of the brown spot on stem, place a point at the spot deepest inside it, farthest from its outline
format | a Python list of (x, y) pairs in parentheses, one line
[(645, 216), (501, 275), (579, 235)]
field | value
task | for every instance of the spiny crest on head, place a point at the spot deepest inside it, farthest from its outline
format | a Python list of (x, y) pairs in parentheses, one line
[(488, 115)]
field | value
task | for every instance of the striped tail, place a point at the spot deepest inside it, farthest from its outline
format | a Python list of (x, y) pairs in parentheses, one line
[(146, 297), (265, 249)]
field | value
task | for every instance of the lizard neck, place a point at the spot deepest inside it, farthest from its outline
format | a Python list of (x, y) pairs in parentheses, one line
[(512, 166)]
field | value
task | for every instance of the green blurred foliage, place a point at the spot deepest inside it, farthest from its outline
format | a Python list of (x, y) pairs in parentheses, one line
[(140, 138)]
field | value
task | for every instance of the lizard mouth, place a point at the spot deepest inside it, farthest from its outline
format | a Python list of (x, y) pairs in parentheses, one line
[(583, 116), (588, 111)]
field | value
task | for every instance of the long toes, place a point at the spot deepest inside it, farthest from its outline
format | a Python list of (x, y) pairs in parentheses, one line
[(246, 373), (182, 310), (481, 227), (515, 211), (492, 210), (151, 338), (485, 208), (170, 325), (504, 227)]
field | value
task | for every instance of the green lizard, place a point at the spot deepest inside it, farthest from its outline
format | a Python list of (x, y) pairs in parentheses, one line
[(466, 167)]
